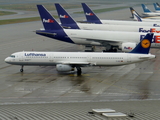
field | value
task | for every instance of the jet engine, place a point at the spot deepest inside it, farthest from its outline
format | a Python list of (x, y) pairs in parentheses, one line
[(63, 68), (128, 46)]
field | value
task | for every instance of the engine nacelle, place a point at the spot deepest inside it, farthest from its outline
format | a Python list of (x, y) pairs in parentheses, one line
[(63, 68), (128, 46)]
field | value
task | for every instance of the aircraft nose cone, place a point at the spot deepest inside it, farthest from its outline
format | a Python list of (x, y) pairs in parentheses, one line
[(6, 60)]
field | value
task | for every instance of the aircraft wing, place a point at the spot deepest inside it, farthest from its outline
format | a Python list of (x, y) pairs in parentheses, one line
[(102, 41), (97, 40), (76, 63)]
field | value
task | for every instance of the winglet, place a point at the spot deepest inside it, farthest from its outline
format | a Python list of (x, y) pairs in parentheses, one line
[(145, 9), (65, 18), (90, 15), (48, 21), (144, 45)]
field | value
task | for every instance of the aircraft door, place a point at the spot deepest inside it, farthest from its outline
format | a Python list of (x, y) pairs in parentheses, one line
[(21, 57), (89, 58), (51, 58), (128, 58)]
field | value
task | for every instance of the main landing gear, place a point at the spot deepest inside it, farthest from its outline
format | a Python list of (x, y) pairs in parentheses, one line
[(89, 48), (21, 70), (79, 71), (111, 49)]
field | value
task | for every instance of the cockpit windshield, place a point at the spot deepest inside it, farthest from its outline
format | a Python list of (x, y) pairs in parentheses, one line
[(13, 56)]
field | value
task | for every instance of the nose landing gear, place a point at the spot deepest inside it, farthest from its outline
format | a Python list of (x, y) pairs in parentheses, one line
[(79, 71), (21, 70)]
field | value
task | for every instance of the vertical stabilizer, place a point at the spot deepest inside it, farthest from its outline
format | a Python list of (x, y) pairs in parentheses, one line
[(136, 16), (145, 9), (144, 46), (156, 6), (65, 18), (48, 21), (90, 15)]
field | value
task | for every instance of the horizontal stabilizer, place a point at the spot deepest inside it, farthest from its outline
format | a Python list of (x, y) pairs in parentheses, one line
[(144, 57)]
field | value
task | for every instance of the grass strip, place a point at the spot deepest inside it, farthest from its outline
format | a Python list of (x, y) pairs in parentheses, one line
[(20, 20), (105, 10), (6, 13)]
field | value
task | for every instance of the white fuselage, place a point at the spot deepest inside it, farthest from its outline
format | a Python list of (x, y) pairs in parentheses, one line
[(156, 14), (75, 58), (112, 27), (150, 20), (135, 23), (98, 37)]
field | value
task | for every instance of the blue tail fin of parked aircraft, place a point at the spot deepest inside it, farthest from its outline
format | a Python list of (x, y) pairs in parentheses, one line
[(145, 9), (48, 21), (66, 20), (156, 6), (144, 46), (52, 27), (90, 15)]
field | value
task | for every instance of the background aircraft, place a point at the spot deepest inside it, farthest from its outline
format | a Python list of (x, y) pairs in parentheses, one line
[(111, 40), (68, 22), (148, 18), (67, 61), (156, 7), (147, 12), (137, 17), (91, 17)]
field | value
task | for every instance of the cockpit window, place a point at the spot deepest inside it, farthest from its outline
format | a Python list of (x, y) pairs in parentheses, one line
[(13, 56)]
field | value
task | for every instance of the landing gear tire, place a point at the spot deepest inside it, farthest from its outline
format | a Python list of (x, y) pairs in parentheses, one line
[(114, 50), (110, 50), (21, 70), (79, 71)]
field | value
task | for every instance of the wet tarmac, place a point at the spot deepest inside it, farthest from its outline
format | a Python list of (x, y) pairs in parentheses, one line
[(68, 96)]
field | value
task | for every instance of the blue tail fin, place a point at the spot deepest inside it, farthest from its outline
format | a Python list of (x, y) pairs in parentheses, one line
[(52, 28), (145, 9), (144, 46), (156, 6), (48, 21), (90, 15), (65, 18)]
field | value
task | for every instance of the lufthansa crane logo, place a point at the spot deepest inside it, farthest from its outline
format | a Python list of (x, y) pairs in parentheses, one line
[(145, 43)]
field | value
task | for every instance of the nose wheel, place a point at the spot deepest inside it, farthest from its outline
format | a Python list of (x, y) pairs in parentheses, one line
[(21, 70), (79, 71)]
